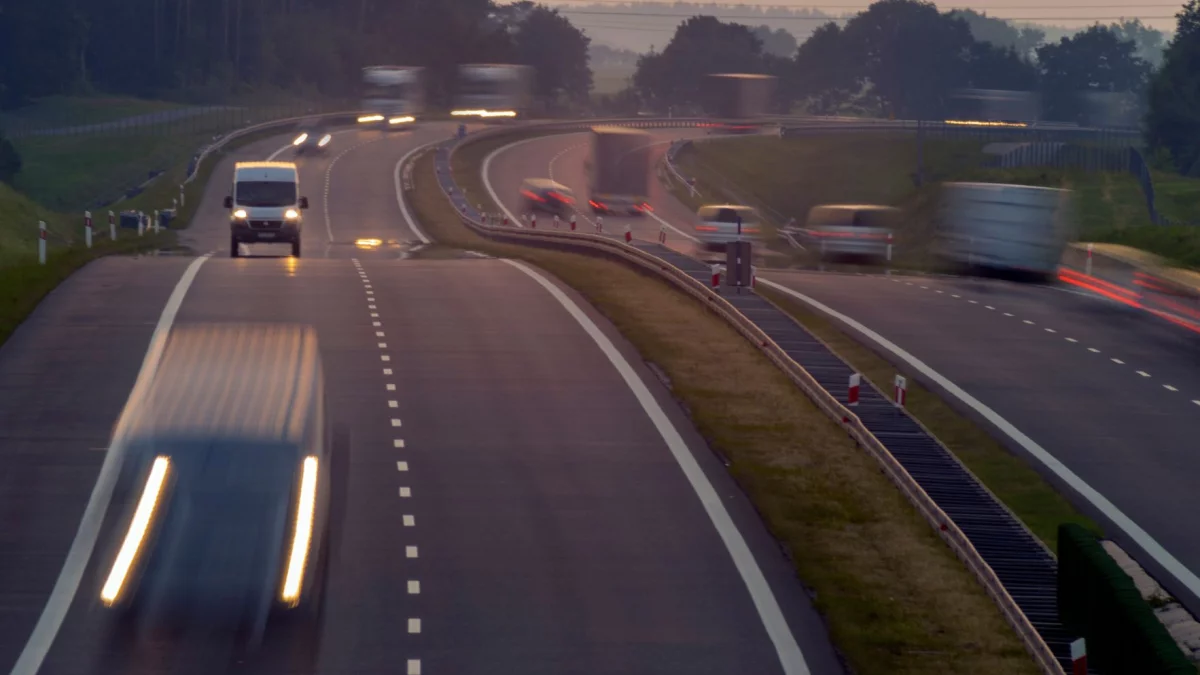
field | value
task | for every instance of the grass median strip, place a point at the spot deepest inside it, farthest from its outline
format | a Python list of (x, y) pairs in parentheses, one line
[(894, 597)]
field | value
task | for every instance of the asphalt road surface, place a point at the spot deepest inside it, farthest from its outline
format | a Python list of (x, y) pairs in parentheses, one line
[(1109, 391), (512, 501)]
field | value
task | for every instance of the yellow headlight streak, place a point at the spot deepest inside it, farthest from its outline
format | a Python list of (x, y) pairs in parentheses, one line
[(483, 113), (402, 120), (986, 123), (370, 118), (291, 214), (300, 139), (137, 531), (302, 533)]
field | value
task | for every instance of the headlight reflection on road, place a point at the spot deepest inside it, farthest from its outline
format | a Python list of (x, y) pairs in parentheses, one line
[(302, 534), (137, 531)]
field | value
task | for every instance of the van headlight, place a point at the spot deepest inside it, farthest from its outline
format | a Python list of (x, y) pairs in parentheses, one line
[(291, 214), (325, 140), (240, 214)]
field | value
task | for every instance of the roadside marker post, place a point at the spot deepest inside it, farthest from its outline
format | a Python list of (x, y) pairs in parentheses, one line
[(628, 235), (141, 224), (901, 390), (852, 390), (112, 226), (533, 221), (716, 278), (1088, 264), (87, 228), (1079, 648), (600, 224), (662, 235), (41, 242), (572, 222), (181, 197), (556, 221), (157, 222)]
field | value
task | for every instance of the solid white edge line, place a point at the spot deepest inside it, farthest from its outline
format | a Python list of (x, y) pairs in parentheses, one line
[(67, 584), (1123, 522), (408, 217), (790, 657)]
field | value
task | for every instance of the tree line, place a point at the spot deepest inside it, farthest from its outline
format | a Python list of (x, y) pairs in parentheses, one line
[(210, 49)]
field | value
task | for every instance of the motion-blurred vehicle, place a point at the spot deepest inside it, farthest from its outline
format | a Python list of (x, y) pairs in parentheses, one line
[(720, 224), (543, 194), (619, 171), (492, 90), (737, 101), (313, 140), (1009, 228), (393, 96), (265, 206), (227, 475), (851, 230)]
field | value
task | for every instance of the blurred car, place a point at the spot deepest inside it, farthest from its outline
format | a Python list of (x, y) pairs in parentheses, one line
[(227, 477), (853, 230), (314, 141), (543, 194), (719, 224)]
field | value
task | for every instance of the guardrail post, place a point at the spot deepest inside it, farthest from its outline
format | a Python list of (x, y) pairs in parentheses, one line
[(112, 226), (556, 221), (87, 228), (572, 222), (628, 235), (662, 235), (852, 389), (1079, 657), (533, 221), (41, 242), (716, 278)]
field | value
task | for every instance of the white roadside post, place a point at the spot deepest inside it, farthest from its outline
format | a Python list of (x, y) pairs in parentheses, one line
[(112, 226), (157, 227), (181, 198), (87, 228), (1079, 657), (141, 224), (901, 390), (41, 242)]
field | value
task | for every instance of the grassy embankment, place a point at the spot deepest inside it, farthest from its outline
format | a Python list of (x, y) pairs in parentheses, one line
[(791, 175), (895, 598)]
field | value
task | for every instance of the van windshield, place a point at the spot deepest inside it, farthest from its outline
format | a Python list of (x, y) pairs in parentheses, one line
[(265, 193)]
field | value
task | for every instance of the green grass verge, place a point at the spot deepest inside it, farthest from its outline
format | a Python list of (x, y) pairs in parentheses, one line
[(895, 599), (68, 111), (789, 176)]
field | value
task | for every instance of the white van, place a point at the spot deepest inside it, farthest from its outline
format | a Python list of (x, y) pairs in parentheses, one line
[(266, 205)]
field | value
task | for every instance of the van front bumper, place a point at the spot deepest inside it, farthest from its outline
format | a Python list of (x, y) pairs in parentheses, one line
[(264, 230)]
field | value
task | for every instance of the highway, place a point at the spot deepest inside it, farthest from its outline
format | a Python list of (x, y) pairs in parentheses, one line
[(520, 495), (1103, 398)]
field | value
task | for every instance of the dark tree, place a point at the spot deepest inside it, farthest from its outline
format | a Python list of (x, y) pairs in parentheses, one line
[(1173, 120), (1093, 61), (701, 45), (559, 53)]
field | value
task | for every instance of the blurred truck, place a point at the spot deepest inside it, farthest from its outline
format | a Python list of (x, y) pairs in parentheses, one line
[(737, 100), (1004, 228), (492, 90), (393, 96), (619, 171)]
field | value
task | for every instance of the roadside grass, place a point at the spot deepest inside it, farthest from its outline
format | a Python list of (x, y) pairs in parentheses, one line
[(788, 176), (1011, 478), (19, 216), (68, 111), (895, 599)]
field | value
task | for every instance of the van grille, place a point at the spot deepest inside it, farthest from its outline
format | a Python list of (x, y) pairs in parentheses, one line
[(266, 224)]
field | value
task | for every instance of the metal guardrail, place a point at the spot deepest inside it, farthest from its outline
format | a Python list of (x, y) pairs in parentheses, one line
[(737, 310), (220, 142)]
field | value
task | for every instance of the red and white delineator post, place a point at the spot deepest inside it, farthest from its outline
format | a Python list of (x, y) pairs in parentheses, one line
[(533, 222), (753, 277), (87, 228), (1087, 266), (572, 222), (852, 390), (716, 276), (662, 234), (141, 224), (506, 220), (600, 224), (628, 235), (1079, 647), (112, 226), (901, 390), (556, 221), (41, 242)]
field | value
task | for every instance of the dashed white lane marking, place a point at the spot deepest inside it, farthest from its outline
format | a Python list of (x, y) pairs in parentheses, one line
[(414, 587), (1119, 362), (1071, 340), (395, 422), (414, 625), (84, 543), (376, 324), (370, 292), (1169, 387), (1007, 314), (1143, 373), (955, 296), (790, 657), (989, 307), (379, 333), (384, 357), (387, 371), (398, 443), (393, 404), (375, 315), (372, 307), (1143, 539), (1051, 330), (924, 288), (940, 292), (402, 466), (391, 387), (908, 283), (1093, 350), (973, 302), (409, 521), (1028, 321), (405, 492), (410, 551), (414, 667), (383, 345)]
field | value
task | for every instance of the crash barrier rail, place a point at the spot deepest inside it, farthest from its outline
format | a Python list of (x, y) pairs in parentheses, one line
[(996, 528)]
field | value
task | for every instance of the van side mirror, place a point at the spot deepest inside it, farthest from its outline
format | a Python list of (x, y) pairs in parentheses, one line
[(304, 202), (229, 202)]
